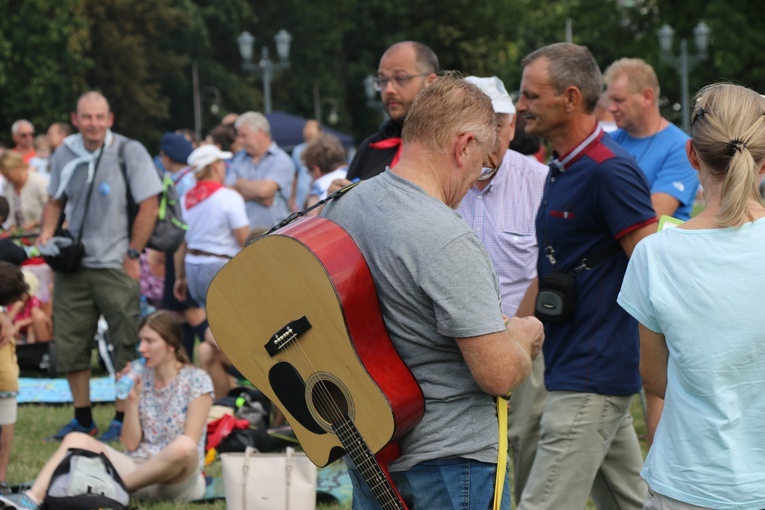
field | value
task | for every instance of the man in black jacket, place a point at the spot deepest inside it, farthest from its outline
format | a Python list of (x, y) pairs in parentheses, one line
[(405, 69)]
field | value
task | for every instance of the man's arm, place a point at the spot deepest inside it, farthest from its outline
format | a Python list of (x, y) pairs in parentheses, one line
[(263, 191), (664, 204), (501, 361), (528, 303), (143, 226), (629, 241), (49, 220)]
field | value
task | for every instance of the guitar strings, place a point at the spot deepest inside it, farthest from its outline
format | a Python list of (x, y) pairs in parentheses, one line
[(295, 353)]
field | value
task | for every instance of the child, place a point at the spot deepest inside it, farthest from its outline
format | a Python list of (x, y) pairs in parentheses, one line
[(12, 287), (30, 323)]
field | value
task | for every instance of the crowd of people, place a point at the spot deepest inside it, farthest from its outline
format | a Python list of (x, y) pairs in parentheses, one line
[(464, 229)]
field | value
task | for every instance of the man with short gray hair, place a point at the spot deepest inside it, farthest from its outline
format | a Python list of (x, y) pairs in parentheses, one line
[(23, 134), (439, 299), (595, 208), (261, 172)]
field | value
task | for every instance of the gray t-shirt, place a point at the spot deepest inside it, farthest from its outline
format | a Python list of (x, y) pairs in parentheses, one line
[(106, 235), (435, 283)]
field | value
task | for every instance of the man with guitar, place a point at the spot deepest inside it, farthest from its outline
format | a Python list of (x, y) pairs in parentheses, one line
[(439, 298)]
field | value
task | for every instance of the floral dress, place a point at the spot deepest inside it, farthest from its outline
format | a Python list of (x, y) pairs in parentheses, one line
[(162, 412)]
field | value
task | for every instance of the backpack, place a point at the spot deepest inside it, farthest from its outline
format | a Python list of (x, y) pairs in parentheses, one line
[(170, 229), (85, 480)]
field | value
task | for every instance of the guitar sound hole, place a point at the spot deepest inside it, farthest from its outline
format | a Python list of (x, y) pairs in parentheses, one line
[(329, 401)]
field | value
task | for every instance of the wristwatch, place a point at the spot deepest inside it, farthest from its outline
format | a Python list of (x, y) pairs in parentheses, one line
[(133, 254)]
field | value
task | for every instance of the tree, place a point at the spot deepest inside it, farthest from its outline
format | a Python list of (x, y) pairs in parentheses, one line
[(42, 60)]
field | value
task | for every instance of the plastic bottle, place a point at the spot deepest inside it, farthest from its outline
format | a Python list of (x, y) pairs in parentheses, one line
[(125, 383)]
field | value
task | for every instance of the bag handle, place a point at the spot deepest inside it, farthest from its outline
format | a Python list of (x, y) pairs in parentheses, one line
[(250, 452)]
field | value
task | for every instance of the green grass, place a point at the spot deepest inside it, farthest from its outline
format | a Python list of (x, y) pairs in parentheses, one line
[(35, 422), (30, 450)]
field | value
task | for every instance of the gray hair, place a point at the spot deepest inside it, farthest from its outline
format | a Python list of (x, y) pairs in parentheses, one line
[(17, 125), (571, 65), (446, 108), (255, 121)]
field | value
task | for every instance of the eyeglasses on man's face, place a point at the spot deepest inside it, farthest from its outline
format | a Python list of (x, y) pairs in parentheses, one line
[(399, 81), (488, 169), (25, 135)]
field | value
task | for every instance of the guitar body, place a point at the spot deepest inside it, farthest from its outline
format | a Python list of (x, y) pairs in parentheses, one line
[(297, 313)]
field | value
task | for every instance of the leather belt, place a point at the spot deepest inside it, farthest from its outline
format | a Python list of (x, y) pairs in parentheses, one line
[(207, 254)]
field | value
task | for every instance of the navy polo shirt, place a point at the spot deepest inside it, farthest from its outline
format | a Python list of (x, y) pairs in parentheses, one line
[(594, 196)]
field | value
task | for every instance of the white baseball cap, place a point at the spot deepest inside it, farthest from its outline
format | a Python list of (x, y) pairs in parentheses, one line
[(495, 89), (206, 155)]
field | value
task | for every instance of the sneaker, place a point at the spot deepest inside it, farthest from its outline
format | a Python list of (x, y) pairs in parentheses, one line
[(19, 501), (73, 426), (112, 433)]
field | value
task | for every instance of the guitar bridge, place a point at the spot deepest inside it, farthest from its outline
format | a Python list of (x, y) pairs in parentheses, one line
[(288, 334)]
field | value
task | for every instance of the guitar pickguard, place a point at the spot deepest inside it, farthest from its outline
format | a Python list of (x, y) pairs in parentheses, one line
[(289, 387)]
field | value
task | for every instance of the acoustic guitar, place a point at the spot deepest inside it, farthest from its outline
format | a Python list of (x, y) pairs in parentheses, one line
[(297, 313)]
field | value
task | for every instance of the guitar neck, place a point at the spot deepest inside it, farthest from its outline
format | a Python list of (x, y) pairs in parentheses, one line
[(373, 473)]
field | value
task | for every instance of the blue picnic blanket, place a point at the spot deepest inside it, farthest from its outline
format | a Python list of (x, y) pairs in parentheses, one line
[(56, 391)]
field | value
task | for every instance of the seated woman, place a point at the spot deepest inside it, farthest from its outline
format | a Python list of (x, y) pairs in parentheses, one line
[(164, 429)]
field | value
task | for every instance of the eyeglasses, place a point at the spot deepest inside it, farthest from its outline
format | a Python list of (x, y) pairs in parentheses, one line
[(487, 171), (25, 135), (398, 81)]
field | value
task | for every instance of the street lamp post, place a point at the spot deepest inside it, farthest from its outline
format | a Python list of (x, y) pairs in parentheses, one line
[(265, 68), (685, 61)]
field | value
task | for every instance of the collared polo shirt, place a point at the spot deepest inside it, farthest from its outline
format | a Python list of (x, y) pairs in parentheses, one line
[(595, 195), (275, 165), (502, 216)]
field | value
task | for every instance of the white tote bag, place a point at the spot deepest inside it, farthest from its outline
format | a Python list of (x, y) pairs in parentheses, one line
[(269, 481)]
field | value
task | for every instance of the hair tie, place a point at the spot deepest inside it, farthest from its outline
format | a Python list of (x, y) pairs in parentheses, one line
[(737, 144), (700, 112)]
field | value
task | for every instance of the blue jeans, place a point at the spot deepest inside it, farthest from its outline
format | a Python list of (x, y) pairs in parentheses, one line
[(199, 277), (446, 484)]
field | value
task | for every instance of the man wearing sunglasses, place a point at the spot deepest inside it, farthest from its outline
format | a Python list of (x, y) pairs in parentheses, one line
[(405, 69), (501, 209), (23, 134)]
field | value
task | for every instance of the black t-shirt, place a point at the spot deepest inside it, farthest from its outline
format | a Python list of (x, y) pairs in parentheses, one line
[(369, 161)]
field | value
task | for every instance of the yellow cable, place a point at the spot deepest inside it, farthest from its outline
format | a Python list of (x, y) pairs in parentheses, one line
[(499, 483)]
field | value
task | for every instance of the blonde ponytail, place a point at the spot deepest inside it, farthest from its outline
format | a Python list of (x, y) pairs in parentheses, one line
[(728, 132)]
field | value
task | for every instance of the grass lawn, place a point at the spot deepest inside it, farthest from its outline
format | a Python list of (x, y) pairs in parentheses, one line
[(35, 422)]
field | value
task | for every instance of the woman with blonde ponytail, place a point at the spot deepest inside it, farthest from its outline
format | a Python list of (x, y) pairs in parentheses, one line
[(698, 291)]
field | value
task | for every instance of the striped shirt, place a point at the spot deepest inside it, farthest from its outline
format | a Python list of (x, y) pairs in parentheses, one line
[(502, 216)]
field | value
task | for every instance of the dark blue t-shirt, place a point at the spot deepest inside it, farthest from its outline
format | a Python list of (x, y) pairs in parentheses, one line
[(600, 196)]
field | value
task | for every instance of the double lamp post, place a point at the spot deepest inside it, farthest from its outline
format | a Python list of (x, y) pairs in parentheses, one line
[(684, 61), (265, 67)]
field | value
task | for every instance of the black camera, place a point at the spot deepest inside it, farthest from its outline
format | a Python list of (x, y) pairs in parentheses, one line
[(556, 297)]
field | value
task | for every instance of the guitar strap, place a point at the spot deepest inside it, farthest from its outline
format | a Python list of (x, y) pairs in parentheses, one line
[(499, 482), (292, 217)]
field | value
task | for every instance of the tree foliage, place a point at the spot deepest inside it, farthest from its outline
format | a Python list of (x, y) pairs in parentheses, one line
[(141, 54)]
